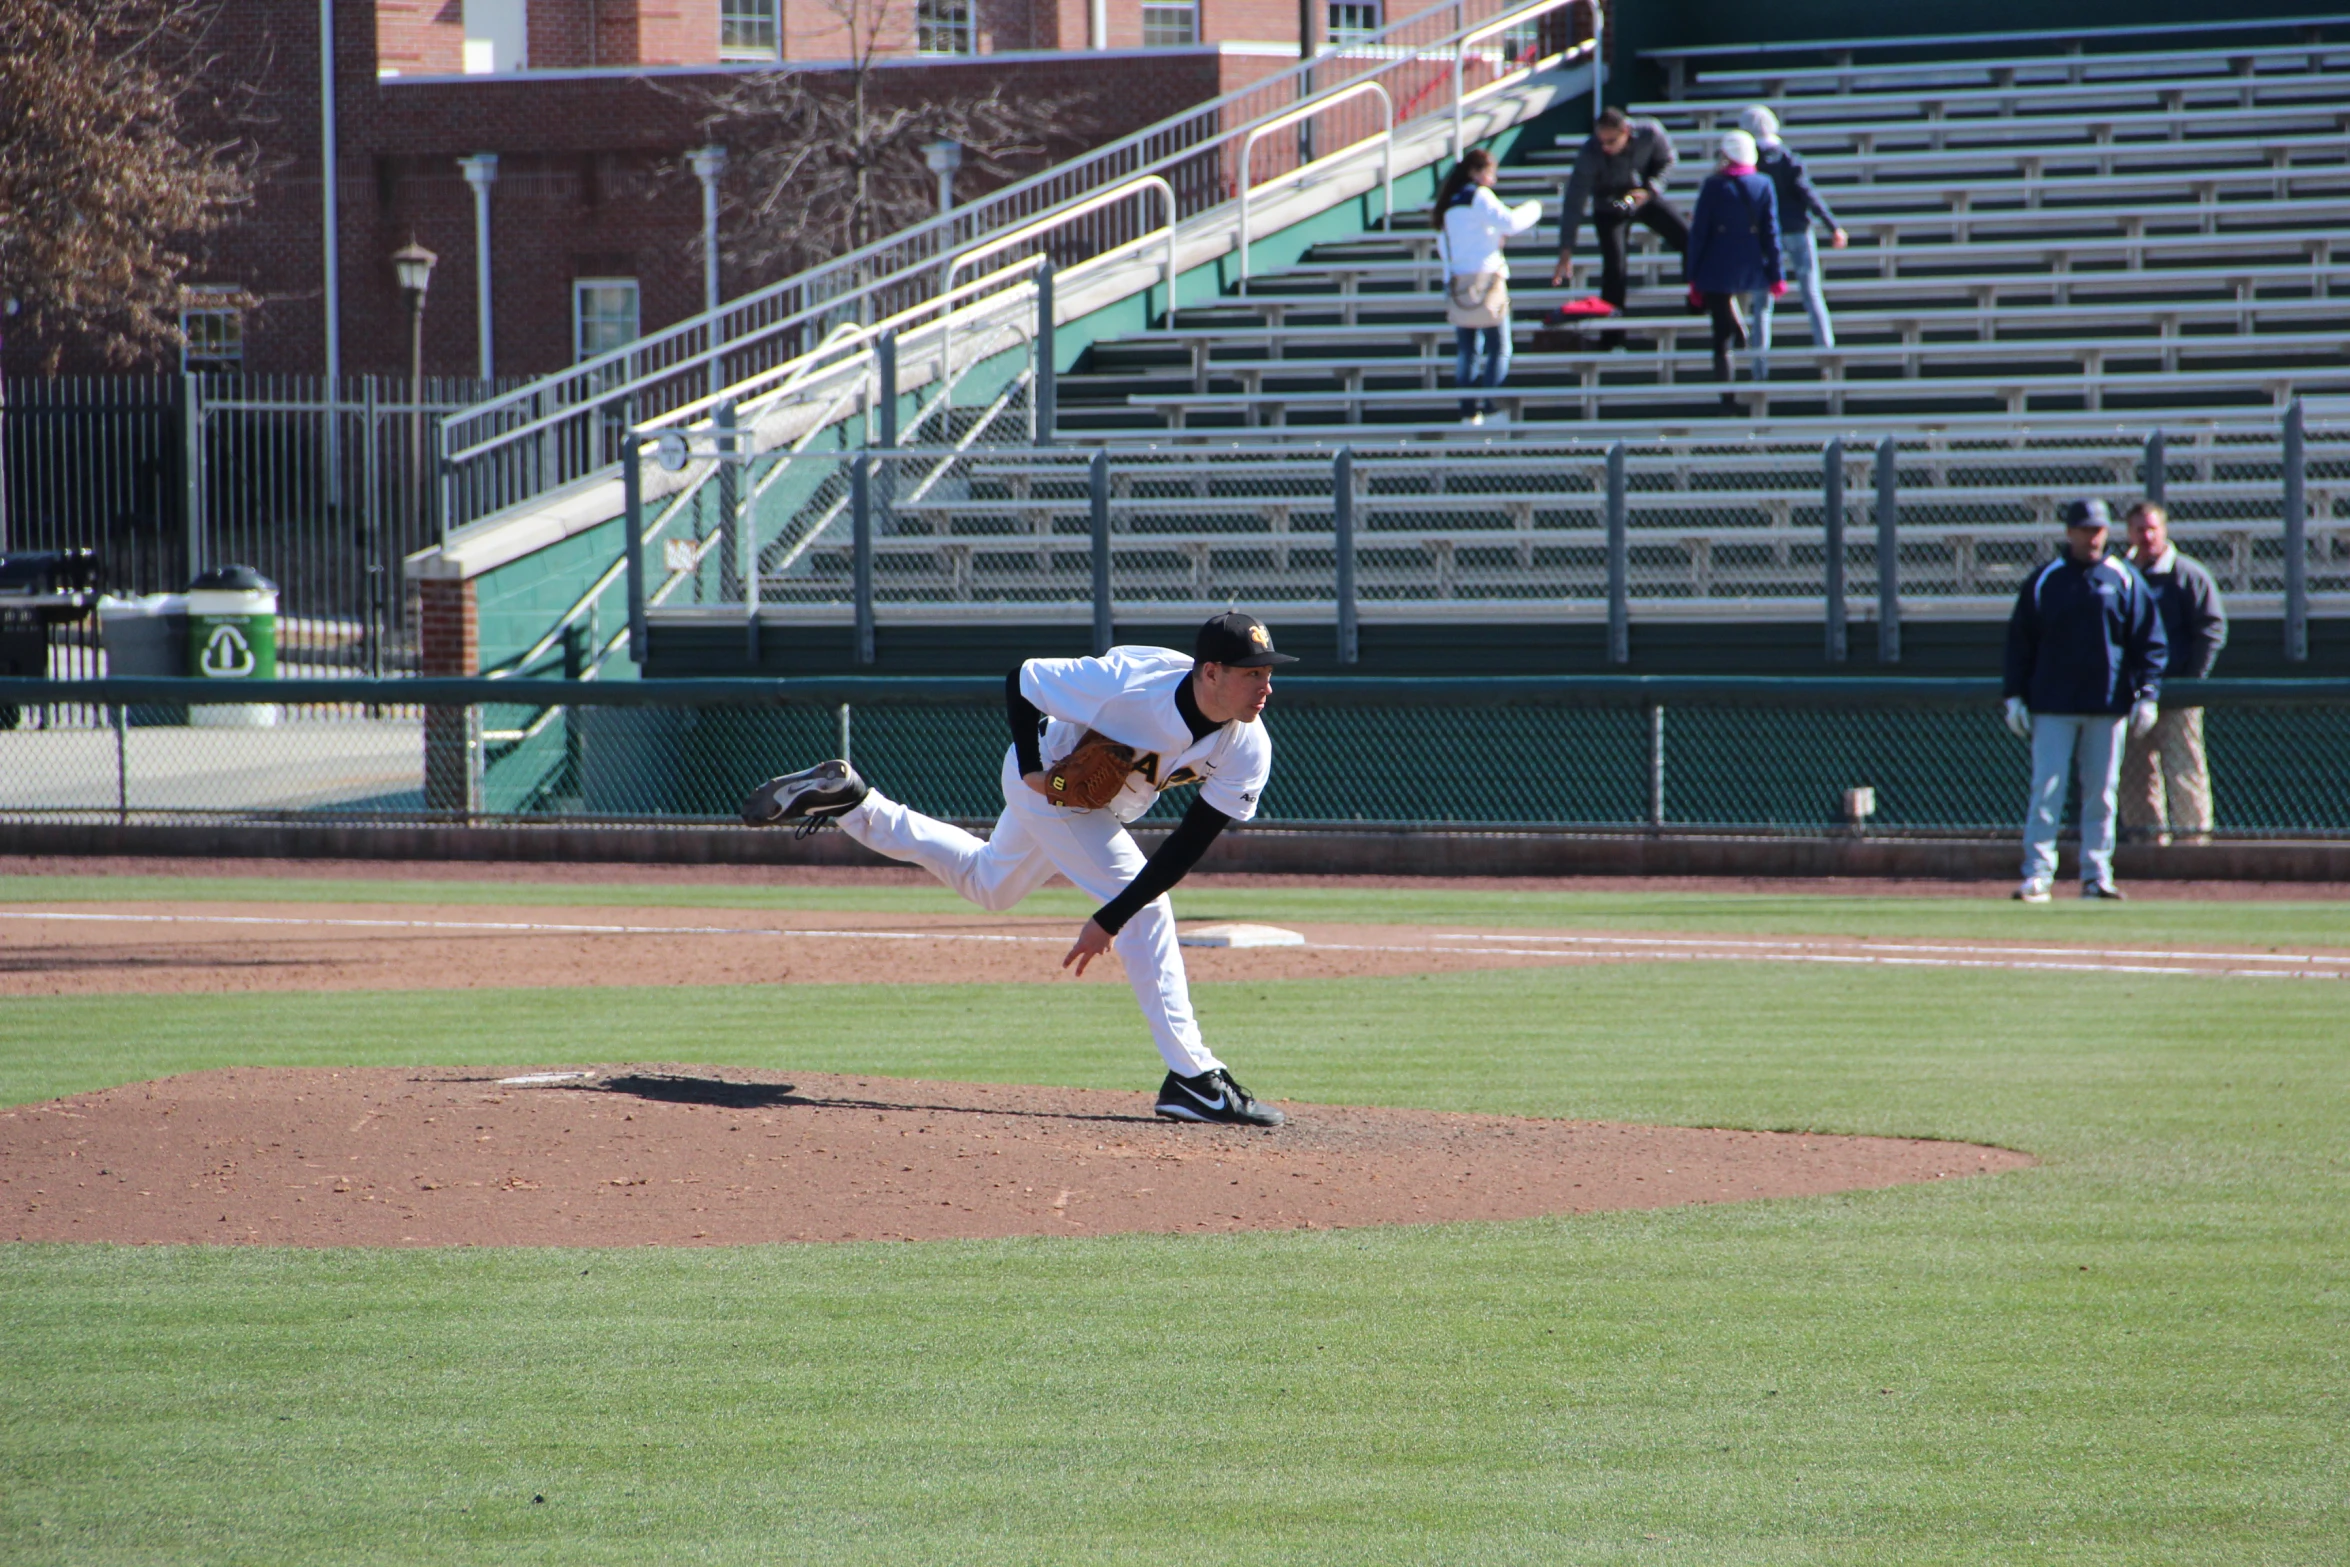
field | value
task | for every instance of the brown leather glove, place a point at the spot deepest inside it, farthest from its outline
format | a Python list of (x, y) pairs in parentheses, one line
[(1091, 775)]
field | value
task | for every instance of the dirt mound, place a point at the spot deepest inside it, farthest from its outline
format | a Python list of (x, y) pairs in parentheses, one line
[(679, 1156)]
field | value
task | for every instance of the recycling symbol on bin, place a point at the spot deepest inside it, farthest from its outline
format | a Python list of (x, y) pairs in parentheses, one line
[(227, 655)]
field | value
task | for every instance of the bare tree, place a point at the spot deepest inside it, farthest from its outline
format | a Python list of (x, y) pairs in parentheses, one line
[(102, 181), (825, 163)]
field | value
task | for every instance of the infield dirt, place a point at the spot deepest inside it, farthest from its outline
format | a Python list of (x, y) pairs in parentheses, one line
[(692, 1156)]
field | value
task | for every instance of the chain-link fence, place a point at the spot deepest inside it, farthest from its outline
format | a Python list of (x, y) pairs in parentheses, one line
[(1594, 753)]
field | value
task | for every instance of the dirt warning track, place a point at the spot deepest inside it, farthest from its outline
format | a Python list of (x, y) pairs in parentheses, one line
[(171, 948), (666, 1155)]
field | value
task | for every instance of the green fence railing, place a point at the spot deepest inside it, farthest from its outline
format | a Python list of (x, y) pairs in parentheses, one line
[(1570, 752)]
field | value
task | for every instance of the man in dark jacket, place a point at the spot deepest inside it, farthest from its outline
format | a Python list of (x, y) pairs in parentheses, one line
[(1619, 175), (2170, 760), (2085, 659)]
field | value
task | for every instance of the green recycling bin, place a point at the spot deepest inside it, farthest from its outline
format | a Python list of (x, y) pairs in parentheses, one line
[(232, 636)]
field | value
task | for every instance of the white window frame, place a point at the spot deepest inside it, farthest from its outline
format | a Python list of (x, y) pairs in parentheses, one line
[(761, 15), (946, 27), (1158, 15), (580, 318), (195, 322), (1338, 18)]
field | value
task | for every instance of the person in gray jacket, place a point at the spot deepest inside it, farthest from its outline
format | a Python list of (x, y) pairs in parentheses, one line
[(2166, 779), (1620, 175)]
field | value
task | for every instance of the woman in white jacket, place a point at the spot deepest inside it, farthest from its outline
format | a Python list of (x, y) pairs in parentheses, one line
[(1473, 223)]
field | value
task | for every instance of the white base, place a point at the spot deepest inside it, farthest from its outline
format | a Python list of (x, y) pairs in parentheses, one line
[(1241, 936)]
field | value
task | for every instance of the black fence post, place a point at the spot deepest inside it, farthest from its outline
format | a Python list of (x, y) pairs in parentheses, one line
[(2157, 477), (722, 428), (1888, 553), (1097, 484), (885, 365), (1342, 509), (1656, 766), (1619, 562), (1832, 508), (861, 532), (1045, 387), (2296, 539), (632, 537)]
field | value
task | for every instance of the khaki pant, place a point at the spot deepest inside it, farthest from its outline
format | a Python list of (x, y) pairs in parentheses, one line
[(2168, 762)]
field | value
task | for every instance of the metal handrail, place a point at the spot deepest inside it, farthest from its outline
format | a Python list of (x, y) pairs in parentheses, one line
[(1309, 111), (1515, 19)]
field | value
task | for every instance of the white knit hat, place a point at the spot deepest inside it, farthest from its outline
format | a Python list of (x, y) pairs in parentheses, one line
[(1737, 147), (1761, 123)]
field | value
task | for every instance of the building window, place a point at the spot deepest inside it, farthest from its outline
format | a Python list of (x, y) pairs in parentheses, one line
[(603, 314), (1350, 21), (215, 337), (497, 36), (944, 27), (750, 29), (1170, 26)]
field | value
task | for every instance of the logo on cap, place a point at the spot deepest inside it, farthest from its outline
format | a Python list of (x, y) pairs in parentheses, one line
[(1260, 636)]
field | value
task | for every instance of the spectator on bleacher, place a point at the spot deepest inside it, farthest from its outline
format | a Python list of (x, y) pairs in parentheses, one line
[(1733, 247), (1799, 202), (1472, 223), (2170, 759), (2085, 660), (1618, 175)]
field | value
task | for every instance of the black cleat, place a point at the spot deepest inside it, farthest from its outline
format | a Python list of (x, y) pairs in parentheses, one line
[(810, 798), (1213, 1096), (2105, 890)]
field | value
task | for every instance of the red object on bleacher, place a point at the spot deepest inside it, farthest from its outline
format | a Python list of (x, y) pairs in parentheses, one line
[(1593, 306)]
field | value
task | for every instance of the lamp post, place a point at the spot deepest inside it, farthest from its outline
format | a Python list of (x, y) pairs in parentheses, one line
[(481, 172), (412, 265), (944, 157), (708, 163)]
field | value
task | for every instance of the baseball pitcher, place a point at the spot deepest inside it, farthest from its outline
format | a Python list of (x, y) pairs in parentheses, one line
[(1094, 740)]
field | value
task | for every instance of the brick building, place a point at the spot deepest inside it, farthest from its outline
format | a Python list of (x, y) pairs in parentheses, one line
[(588, 107)]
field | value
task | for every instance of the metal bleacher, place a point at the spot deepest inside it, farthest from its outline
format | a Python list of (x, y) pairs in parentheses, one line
[(2037, 230), (2059, 249)]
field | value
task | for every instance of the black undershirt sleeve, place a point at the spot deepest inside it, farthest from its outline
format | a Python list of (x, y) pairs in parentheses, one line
[(1027, 722), (1176, 856)]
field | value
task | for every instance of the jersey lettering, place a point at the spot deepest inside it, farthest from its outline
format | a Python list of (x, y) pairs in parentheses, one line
[(1147, 764), (1178, 778)]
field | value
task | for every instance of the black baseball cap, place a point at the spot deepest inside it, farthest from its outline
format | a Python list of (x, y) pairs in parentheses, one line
[(2091, 513), (1239, 640)]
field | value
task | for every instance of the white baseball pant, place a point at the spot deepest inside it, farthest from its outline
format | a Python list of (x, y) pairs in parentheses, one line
[(1031, 841)]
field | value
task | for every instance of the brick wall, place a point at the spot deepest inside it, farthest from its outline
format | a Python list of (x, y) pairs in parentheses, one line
[(581, 189), (448, 641)]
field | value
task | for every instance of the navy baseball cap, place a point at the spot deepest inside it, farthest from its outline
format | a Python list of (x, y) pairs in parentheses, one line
[(2090, 513), (1239, 640)]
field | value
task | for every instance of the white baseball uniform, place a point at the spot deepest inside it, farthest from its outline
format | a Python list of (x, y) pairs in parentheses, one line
[(1130, 695)]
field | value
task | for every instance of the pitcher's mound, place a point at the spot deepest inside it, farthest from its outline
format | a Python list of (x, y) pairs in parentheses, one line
[(682, 1156)]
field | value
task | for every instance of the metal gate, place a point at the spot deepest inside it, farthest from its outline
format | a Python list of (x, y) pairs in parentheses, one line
[(166, 476)]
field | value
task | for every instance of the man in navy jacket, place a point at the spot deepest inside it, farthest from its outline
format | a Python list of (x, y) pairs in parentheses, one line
[(2085, 659)]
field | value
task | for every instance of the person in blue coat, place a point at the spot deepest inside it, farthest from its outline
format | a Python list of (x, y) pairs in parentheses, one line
[(2085, 659), (1733, 247)]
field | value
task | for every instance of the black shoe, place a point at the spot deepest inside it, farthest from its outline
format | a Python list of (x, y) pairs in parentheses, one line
[(1213, 1096), (2104, 890), (810, 798)]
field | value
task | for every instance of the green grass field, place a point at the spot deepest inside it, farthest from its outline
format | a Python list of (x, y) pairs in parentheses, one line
[(2133, 1352)]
